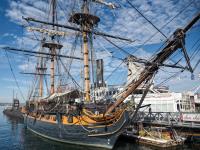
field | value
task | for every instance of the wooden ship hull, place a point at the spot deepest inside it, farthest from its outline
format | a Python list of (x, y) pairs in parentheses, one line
[(78, 132)]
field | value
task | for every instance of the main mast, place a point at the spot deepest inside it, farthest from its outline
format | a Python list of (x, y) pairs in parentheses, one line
[(87, 22), (52, 50), (86, 54)]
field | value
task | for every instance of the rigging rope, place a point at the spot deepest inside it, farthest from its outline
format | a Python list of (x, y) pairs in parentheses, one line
[(92, 57), (46, 83), (173, 76), (117, 46), (167, 23), (69, 73), (146, 18), (114, 71), (11, 69), (195, 52)]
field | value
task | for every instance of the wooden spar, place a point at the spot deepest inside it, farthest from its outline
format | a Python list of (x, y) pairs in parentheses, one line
[(40, 53), (79, 58), (32, 73), (86, 66), (147, 63), (77, 29), (86, 54), (169, 49), (52, 46), (87, 22), (52, 51), (41, 86), (41, 70), (52, 72)]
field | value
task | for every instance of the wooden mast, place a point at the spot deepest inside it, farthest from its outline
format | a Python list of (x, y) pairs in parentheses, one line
[(52, 72), (41, 70), (170, 48), (52, 47), (52, 50), (87, 22), (86, 54), (86, 67), (41, 86)]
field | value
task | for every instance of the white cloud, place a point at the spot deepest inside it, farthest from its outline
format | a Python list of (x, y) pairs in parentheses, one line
[(9, 35), (124, 21)]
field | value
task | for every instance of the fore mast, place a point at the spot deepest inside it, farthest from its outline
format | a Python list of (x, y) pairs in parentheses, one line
[(53, 46), (41, 69)]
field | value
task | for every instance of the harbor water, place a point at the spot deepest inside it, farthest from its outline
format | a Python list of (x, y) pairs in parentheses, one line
[(14, 136)]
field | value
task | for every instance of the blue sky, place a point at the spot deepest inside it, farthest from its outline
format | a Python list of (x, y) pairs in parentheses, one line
[(124, 21)]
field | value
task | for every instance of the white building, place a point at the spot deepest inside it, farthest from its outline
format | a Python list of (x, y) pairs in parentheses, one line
[(160, 98)]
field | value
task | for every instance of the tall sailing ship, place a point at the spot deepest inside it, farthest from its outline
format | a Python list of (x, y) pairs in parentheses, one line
[(72, 116)]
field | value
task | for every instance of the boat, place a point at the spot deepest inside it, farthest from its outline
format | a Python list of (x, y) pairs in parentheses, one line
[(162, 137), (14, 111), (70, 115)]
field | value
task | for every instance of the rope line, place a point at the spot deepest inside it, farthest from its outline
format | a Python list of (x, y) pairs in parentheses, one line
[(11, 69)]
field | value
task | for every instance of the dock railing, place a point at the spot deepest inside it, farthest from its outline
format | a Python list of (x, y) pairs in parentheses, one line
[(178, 119)]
